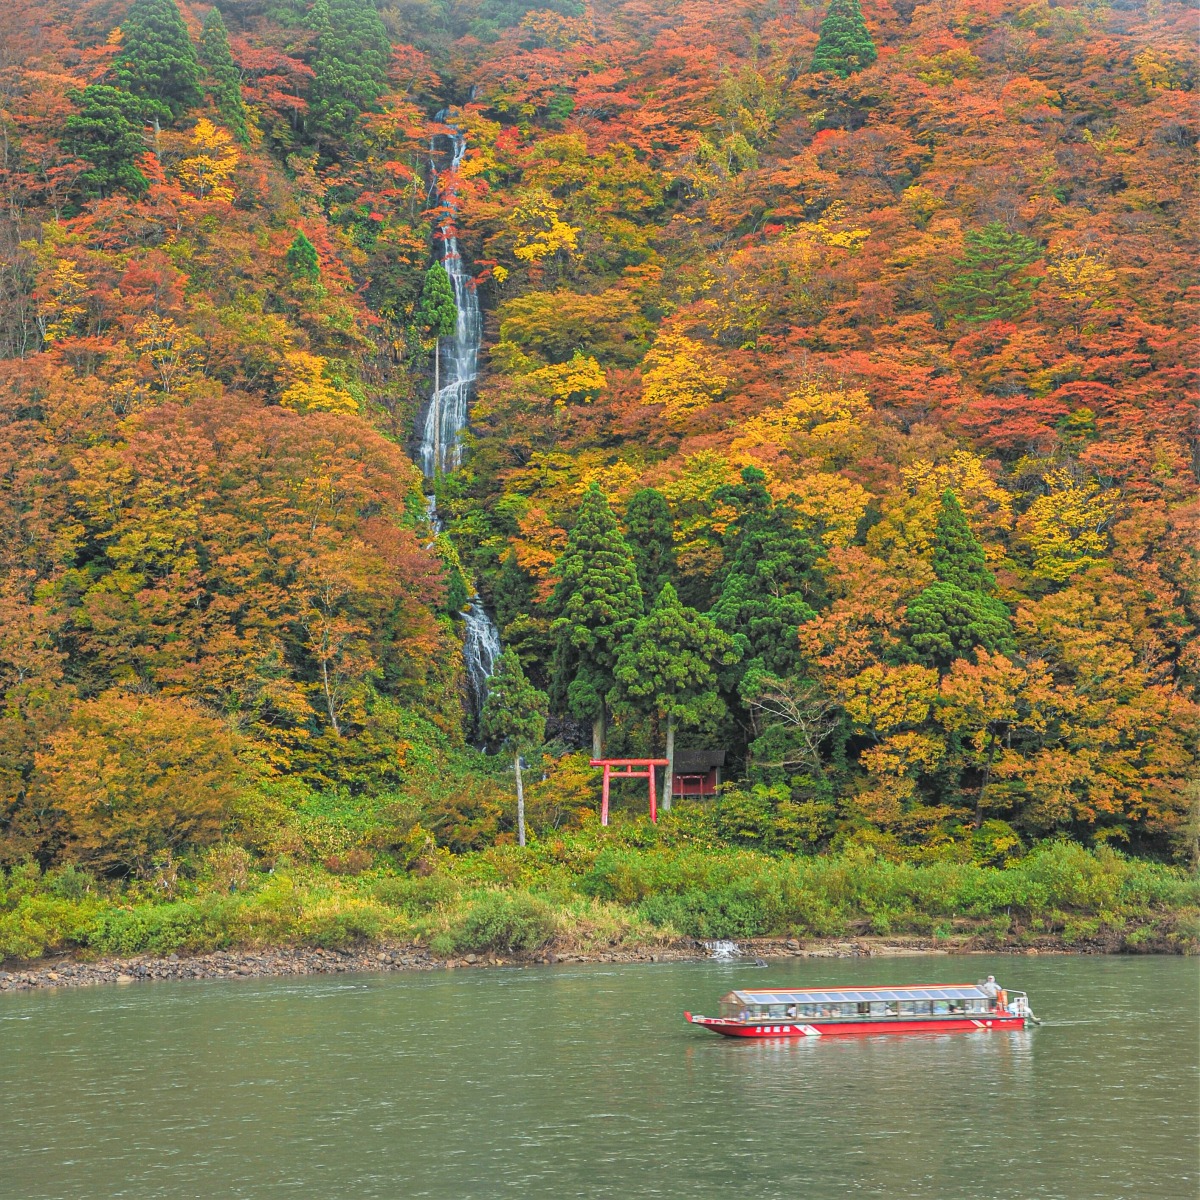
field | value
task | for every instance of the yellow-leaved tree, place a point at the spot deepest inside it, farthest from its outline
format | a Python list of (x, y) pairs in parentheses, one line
[(1065, 527), (311, 389), (213, 159), (681, 374), (540, 232), (60, 309), (581, 379)]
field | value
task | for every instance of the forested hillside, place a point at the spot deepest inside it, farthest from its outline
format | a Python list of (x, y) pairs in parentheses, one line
[(835, 410)]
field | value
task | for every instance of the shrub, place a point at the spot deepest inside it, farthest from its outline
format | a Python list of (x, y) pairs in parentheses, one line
[(353, 862), (503, 922), (39, 924), (744, 909), (416, 895), (160, 929), (343, 923)]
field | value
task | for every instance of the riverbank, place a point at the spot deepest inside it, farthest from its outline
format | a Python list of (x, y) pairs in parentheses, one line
[(589, 898), (73, 972)]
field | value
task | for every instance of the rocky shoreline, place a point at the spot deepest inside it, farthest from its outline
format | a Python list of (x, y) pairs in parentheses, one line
[(72, 973)]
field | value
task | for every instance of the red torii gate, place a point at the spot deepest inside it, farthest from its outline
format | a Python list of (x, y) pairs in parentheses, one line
[(628, 773)]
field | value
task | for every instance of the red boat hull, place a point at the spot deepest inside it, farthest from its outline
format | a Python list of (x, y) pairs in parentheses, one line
[(795, 1029)]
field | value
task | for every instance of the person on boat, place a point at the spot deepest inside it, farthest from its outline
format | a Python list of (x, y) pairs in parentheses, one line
[(990, 988)]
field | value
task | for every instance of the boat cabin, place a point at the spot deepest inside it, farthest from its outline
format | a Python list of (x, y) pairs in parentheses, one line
[(857, 1004)]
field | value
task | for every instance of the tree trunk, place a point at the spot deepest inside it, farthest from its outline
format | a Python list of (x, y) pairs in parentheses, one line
[(669, 782), (520, 801), (987, 774), (598, 732), (328, 689)]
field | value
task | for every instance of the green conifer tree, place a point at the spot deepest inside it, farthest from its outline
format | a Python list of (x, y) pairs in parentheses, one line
[(108, 130), (596, 602), (224, 79), (514, 716), (157, 60), (437, 311), (667, 668), (958, 556), (992, 282), (947, 622), (957, 613), (769, 579), (350, 64), (650, 532), (302, 258), (844, 44), (511, 593)]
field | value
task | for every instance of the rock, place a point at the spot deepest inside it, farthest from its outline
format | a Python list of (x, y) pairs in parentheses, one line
[(126, 978), (471, 958)]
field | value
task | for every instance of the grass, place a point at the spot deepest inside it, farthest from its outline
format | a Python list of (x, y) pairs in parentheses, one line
[(628, 886)]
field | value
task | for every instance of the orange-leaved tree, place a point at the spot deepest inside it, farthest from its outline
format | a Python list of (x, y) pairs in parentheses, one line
[(130, 779)]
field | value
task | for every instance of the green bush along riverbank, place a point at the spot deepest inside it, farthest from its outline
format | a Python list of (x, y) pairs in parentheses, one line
[(627, 886)]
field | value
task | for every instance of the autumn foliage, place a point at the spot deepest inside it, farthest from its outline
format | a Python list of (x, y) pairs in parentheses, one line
[(872, 348)]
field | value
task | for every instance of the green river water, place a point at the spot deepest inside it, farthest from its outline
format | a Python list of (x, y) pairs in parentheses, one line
[(584, 1081)]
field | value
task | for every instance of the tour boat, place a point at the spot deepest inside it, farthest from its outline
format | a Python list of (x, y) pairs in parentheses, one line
[(817, 1012)]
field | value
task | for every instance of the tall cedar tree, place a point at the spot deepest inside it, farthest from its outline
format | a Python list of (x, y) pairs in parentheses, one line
[(667, 668), (157, 59), (597, 601), (302, 258), (650, 532), (958, 556), (845, 44), (514, 716), (108, 132), (511, 591), (350, 64), (223, 77), (992, 282), (437, 311), (953, 616), (770, 574)]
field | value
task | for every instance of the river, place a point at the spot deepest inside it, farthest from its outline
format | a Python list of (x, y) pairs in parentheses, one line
[(584, 1081)]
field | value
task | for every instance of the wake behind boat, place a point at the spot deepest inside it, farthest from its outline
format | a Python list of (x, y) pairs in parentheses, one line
[(815, 1012)]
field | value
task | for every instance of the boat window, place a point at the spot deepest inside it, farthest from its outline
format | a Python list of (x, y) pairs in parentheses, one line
[(941, 1007), (808, 1010), (907, 1007)]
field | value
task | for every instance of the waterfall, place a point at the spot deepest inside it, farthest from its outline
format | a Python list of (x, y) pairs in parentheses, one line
[(439, 449), (458, 357), (481, 649)]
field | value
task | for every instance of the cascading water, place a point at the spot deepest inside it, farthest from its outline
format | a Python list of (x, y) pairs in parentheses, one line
[(439, 449), (458, 357), (481, 650)]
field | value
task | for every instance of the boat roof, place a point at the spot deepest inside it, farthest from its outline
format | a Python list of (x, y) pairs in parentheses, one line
[(937, 991)]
